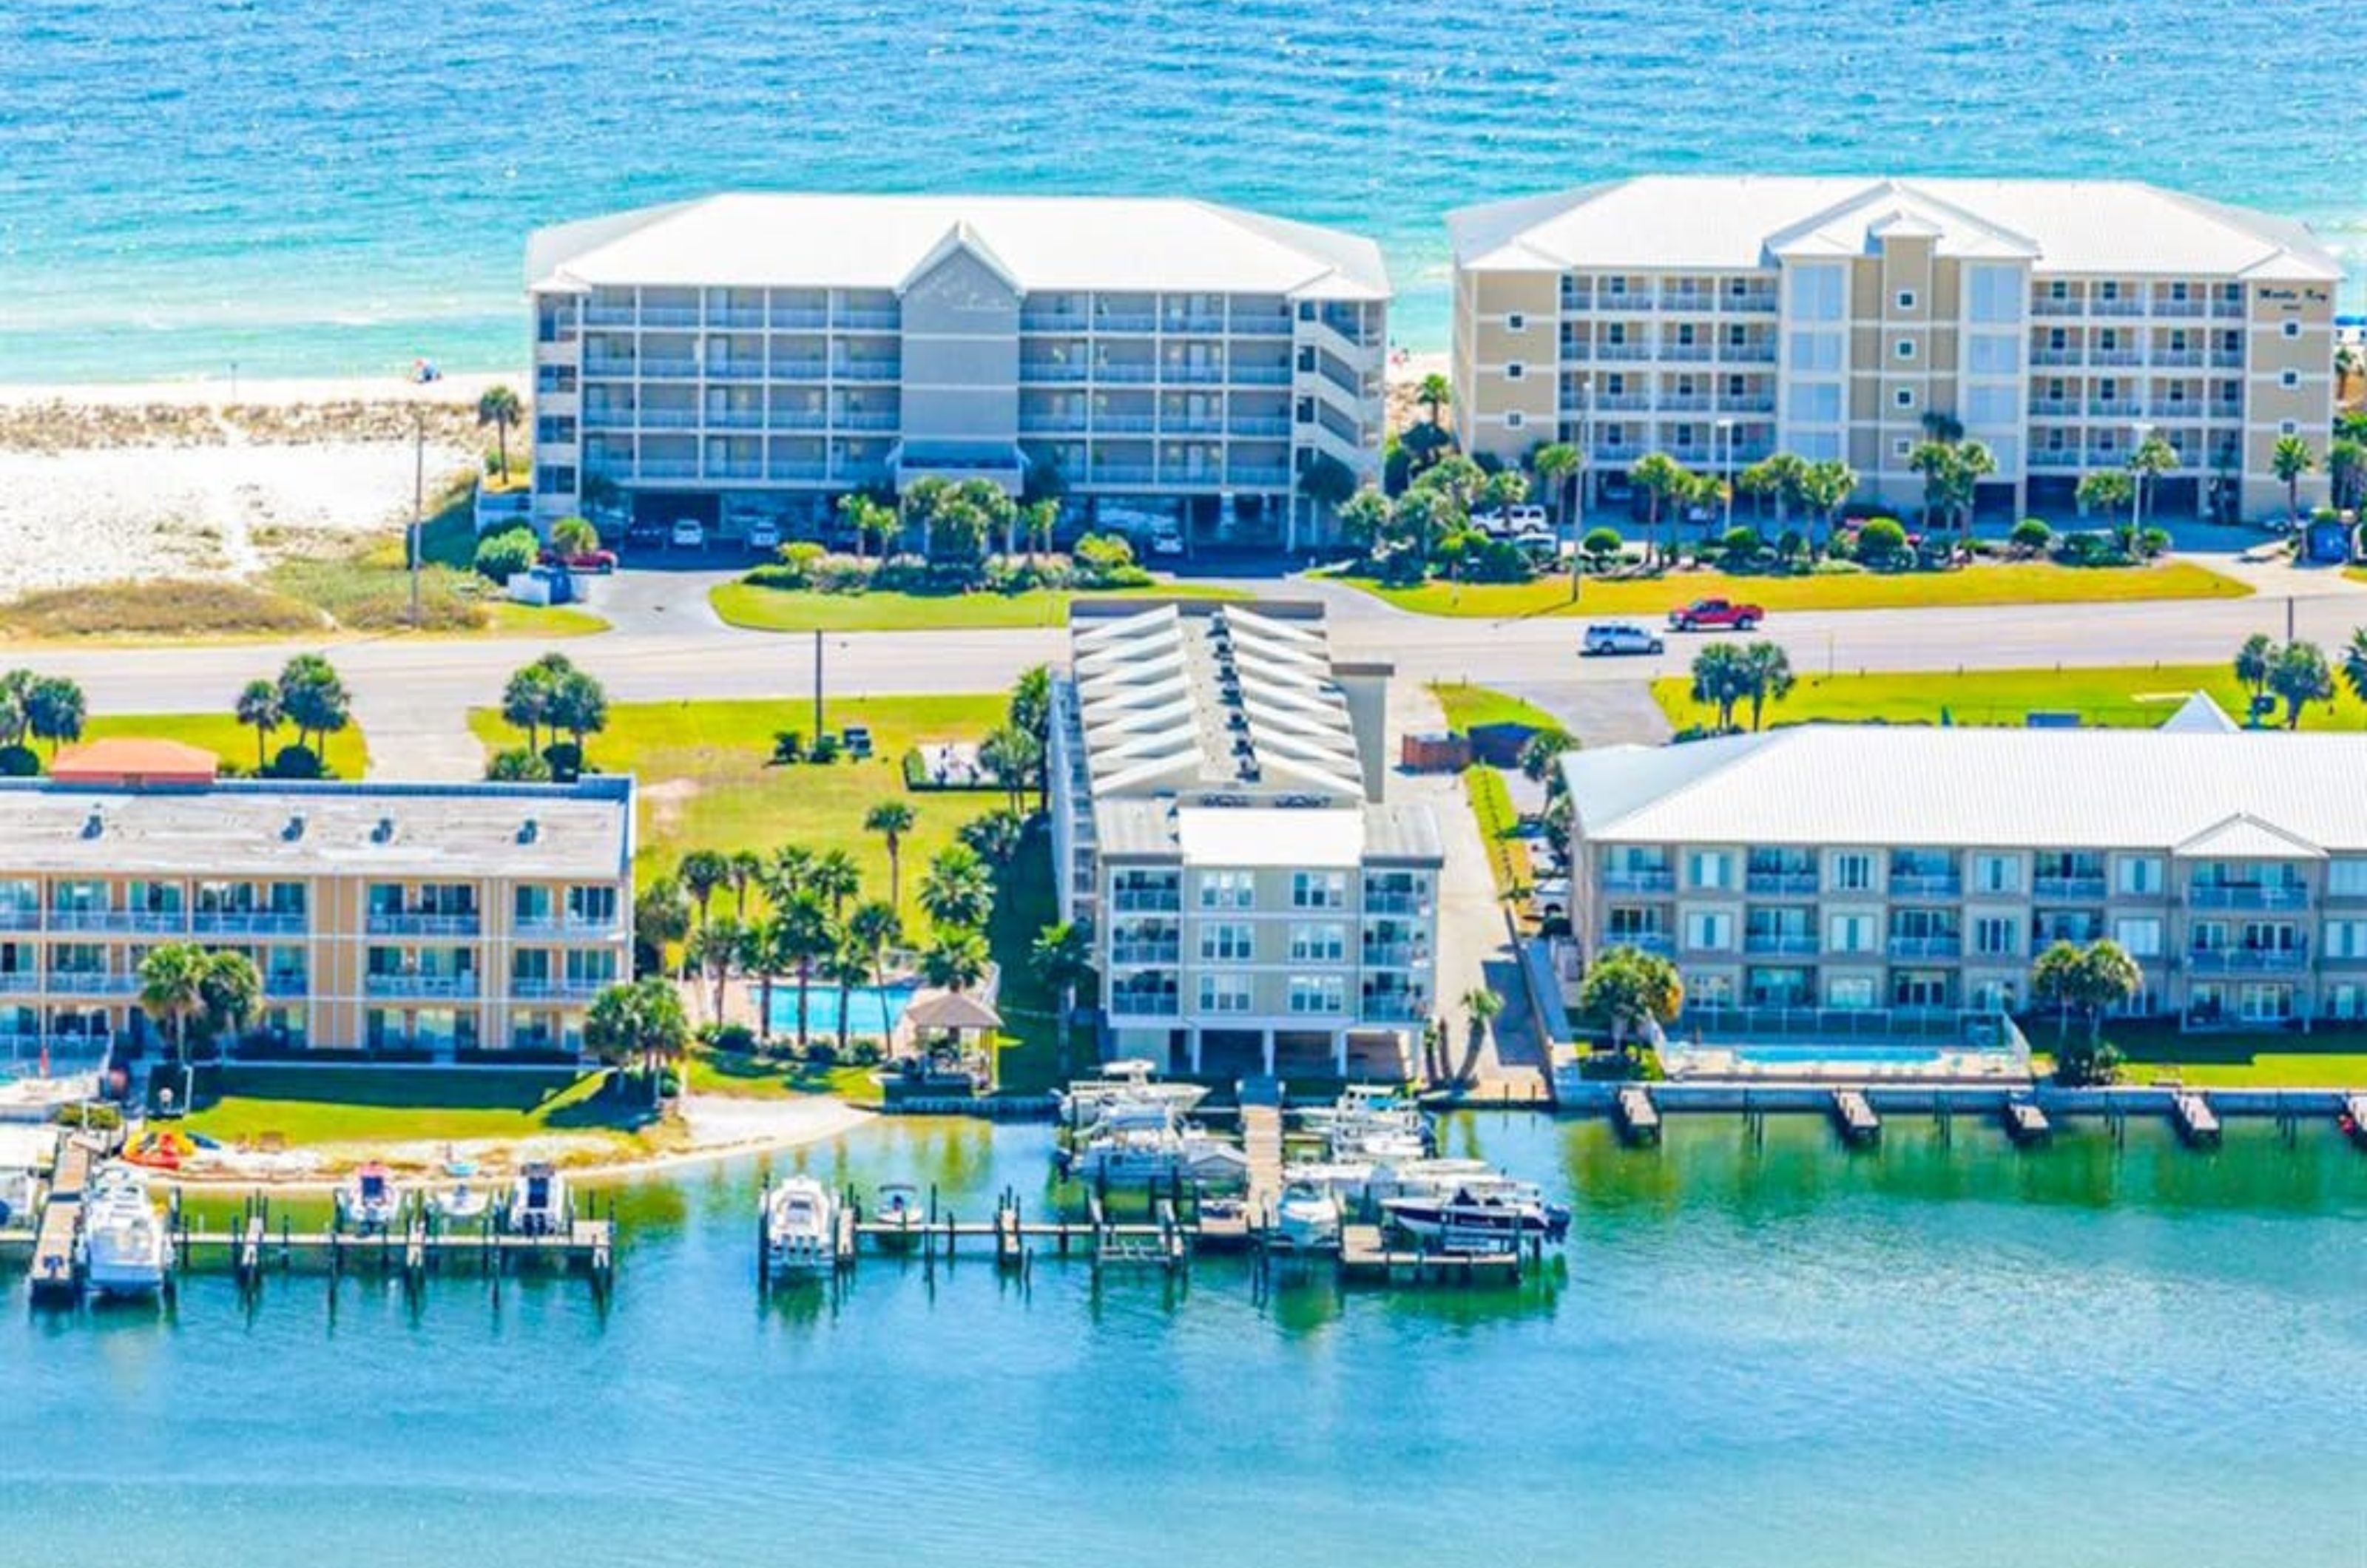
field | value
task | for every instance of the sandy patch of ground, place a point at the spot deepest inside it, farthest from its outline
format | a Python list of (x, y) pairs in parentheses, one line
[(1405, 374)]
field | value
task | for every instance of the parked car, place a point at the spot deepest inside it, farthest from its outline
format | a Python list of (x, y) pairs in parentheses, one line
[(765, 536), (690, 533), (597, 561), (1166, 538), (1606, 637), (1510, 519), (644, 532), (1537, 544), (1709, 614)]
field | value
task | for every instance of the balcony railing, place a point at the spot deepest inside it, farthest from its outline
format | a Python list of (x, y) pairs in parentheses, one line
[(1631, 880), (1378, 902), (419, 985), (1799, 943), (130, 920), (2117, 307), (1925, 946), (1791, 882), (242, 922), (869, 371), (92, 983), (2247, 960), (560, 987), (2164, 306), (285, 984), (866, 320), (1167, 952), (19, 982), (1147, 900), (1262, 326), (1393, 1007), (393, 924), (2248, 896), (1395, 954), (1660, 943), (1261, 375), (670, 369), (2067, 886), (1926, 885), (1144, 1004)]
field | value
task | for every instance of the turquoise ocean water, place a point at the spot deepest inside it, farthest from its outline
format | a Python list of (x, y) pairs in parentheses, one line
[(1943, 1354), (307, 187)]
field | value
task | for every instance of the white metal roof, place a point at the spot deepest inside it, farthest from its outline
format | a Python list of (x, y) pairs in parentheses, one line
[(1724, 223), (1266, 832), (2252, 793), (255, 828), (785, 240)]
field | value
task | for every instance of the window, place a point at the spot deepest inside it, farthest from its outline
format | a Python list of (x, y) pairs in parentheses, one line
[(1319, 944), (1901, 448), (2288, 427), (1318, 889), (1850, 933), (1224, 993), (1319, 994), (1907, 299), (1515, 323), (1515, 419), (2346, 879), (1905, 348), (1994, 293), (2290, 329), (1515, 370), (1813, 352), (1817, 403), (1994, 353), (2346, 939), (2107, 339), (1710, 930), (1904, 397), (1992, 405), (1615, 286), (1847, 991), (2139, 934), (2107, 290), (2289, 378), (1850, 870), (1708, 868), (2140, 874), (1817, 293), (1227, 890), (1997, 936), (1228, 941), (1996, 873)]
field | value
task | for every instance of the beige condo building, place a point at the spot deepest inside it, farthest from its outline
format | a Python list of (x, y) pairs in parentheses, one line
[(753, 355), (1721, 319), (414, 920)]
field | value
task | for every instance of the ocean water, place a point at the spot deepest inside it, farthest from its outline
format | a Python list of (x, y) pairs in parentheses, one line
[(302, 186), (1938, 1352)]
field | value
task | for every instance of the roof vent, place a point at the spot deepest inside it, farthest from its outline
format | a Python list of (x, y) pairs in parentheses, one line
[(295, 828), (94, 825), (384, 832), (529, 830)]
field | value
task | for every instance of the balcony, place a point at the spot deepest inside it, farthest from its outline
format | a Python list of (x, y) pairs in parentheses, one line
[(725, 316), (242, 922), (1684, 402), (861, 419), (285, 983), (1395, 954), (666, 469), (1660, 942), (2111, 356), (1147, 900), (2169, 356), (92, 983), (133, 922), (1184, 425), (1052, 321), (1261, 375), (2105, 408), (798, 320), (799, 369), (797, 419), (869, 371), (1262, 326), (1797, 883), (608, 316), (2248, 960), (1393, 1006), (2164, 306), (737, 371), (1757, 302), (2044, 886), (1112, 322), (1143, 1004), (1697, 299), (1800, 944), (1925, 946), (1749, 352), (2223, 359), (668, 315), (1632, 351), (2055, 356), (1685, 353), (400, 924), (1191, 323), (1241, 425), (1383, 902), (428, 986), (1926, 885), (548, 987), (569, 926), (1272, 478), (734, 419), (866, 320), (1136, 954), (1121, 474), (1635, 880), (2117, 307), (670, 369), (2248, 896), (2044, 307), (19, 982)]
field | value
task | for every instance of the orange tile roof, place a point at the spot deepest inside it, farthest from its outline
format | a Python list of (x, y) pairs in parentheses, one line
[(130, 757)]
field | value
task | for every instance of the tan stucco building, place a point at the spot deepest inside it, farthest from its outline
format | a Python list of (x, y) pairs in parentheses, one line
[(1721, 319)]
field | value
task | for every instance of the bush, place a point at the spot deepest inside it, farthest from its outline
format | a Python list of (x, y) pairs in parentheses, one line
[(2153, 542), (1498, 560), (517, 765), (19, 763), (825, 749), (565, 760), (789, 745), (1881, 541), (503, 556), (841, 574), (736, 1038), (1602, 542), (1106, 560), (297, 763), (2031, 535)]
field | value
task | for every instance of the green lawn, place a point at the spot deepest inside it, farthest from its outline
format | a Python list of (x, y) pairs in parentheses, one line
[(2020, 583), (1467, 706), (308, 1105), (792, 610), (349, 753), (2271, 1059), (767, 1077), (2126, 697), (1492, 802)]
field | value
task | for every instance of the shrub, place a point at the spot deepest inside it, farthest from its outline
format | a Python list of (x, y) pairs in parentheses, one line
[(841, 574), (799, 560), (1881, 541), (789, 745), (297, 763), (503, 556), (1498, 560), (1602, 542), (1098, 555), (517, 765), (2153, 542), (825, 749), (19, 763), (565, 760), (2031, 535), (736, 1038)]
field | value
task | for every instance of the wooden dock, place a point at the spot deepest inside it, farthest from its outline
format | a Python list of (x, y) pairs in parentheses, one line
[(1366, 1256), (2198, 1123), (57, 1260), (1853, 1115), (1637, 1114), (418, 1245), (2025, 1124), (1261, 1140)]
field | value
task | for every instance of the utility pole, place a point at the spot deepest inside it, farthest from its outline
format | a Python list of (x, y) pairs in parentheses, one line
[(817, 684), (1585, 474)]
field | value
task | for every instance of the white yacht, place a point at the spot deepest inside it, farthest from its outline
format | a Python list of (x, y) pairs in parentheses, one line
[(538, 1204), (1161, 1148), (1480, 1222), (1124, 1087), (1372, 1122), (801, 1227), (126, 1246), (24, 1151), (369, 1201), (1307, 1217)]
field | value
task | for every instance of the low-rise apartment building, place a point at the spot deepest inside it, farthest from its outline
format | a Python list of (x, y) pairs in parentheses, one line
[(2059, 321), (1843, 877), (1216, 817), (413, 921), (753, 355)]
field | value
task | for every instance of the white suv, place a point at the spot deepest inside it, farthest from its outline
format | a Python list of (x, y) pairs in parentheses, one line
[(1510, 519), (1619, 637)]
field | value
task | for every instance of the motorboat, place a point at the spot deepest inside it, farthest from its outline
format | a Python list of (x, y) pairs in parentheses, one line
[(127, 1249), (1368, 1121), (1167, 1149), (24, 1153), (900, 1217), (538, 1203), (1307, 1217), (1479, 1222), (1124, 1087), (801, 1227), (369, 1201)]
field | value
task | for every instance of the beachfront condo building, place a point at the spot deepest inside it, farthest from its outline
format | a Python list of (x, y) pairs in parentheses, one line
[(401, 921), (1852, 881), (1217, 818), (756, 356), (1719, 319)]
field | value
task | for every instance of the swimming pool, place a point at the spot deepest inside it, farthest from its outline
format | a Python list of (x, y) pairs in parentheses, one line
[(1793, 1055), (871, 1011)]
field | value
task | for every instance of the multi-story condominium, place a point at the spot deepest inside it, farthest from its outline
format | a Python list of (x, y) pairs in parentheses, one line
[(1216, 817), (1719, 319), (752, 355), (1837, 874), (417, 920)]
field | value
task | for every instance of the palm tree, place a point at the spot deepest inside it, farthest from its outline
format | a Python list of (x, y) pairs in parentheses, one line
[(807, 936), (891, 819), (1767, 676), (834, 878), (54, 711), (1826, 487), (229, 989), (1434, 393), (762, 956), (2153, 457), (875, 926), (1556, 464), (2105, 491), (258, 709), (846, 966), (2290, 461), (715, 949), (2300, 677), (1663, 480), (1062, 957), (701, 872), (2346, 468), (172, 977), (956, 960), (786, 873), (500, 408), (2253, 662), (958, 890), (743, 869), (1480, 1008), (2355, 663), (1721, 679), (526, 700)]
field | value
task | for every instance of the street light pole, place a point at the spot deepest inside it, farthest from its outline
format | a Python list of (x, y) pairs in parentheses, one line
[(2143, 431), (1726, 437), (1585, 473)]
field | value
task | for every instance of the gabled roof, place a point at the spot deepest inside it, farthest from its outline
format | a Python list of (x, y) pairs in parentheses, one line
[(2200, 716), (120, 757), (2245, 837), (786, 240), (960, 238), (1732, 223)]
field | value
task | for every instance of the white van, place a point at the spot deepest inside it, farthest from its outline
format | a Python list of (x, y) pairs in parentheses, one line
[(1508, 519)]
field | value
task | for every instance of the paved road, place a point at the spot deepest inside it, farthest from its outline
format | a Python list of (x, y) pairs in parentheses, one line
[(410, 693)]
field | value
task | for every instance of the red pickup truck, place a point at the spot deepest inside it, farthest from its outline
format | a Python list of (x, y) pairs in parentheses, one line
[(1707, 615)]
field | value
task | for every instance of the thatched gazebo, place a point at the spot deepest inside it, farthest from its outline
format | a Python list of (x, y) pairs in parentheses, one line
[(951, 1032)]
